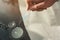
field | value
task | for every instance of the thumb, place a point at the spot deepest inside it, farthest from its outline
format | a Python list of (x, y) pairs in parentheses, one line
[(28, 4)]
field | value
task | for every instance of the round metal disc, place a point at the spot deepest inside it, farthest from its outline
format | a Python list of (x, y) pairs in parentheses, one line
[(17, 32), (11, 24)]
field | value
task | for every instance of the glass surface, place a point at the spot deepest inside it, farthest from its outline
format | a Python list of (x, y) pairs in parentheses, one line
[(17, 32), (11, 24)]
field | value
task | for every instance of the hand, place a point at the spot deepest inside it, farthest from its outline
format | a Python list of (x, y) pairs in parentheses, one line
[(39, 5), (31, 3)]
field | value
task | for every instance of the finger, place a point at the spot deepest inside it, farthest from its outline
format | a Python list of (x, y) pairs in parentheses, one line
[(29, 4), (38, 10), (38, 6), (31, 8), (35, 8), (50, 3), (41, 5)]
